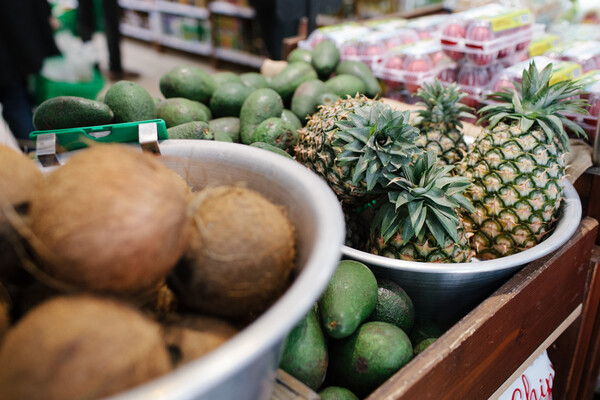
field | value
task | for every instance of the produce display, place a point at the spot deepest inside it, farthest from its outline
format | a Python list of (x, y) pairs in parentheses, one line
[(114, 267), (355, 337), (167, 258)]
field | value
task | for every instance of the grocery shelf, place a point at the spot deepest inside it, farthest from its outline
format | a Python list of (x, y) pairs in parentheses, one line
[(170, 7), (137, 32), (156, 9), (238, 56), (138, 5), (203, 48), (232, 10)]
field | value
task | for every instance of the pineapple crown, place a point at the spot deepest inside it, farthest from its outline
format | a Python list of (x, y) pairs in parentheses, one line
[(536, 101), (424, 198), (442, 104), (375, 138)]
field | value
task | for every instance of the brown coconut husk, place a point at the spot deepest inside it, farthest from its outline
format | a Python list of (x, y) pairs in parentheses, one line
[(241, 254), (81, 347), (19, 179), (112, 219), (192, 336)]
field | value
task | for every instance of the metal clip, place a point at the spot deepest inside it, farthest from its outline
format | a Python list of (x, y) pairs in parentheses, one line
[(148, 137), (45, 147)]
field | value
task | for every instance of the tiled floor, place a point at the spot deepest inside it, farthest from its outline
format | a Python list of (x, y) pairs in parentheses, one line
[(141, 57)]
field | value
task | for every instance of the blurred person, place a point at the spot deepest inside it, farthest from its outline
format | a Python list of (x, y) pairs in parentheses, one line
[(86, 26), (26, 39)]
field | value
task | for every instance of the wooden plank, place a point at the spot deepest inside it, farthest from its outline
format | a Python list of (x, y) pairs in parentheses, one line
[(588, 360), (479, 353)]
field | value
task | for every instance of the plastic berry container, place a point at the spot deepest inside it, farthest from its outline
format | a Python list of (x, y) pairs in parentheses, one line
[(428, 27), (584, 52), (412, 65), (474, 81), (488, 33), (339, 34), (371, 48)]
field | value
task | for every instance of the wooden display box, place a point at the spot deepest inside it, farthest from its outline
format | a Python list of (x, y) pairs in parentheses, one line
[(551, 303)]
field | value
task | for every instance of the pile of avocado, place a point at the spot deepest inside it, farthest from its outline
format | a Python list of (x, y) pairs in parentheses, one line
[(250, 108), (360, 332)]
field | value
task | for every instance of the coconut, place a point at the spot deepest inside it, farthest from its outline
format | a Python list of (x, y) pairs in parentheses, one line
[(111, 219), (191, 336), (240, 257), (80, 347), (19, 178)]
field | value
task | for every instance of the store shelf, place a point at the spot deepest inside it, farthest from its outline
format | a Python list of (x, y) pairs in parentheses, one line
[(190, 46), (138, 32), (170, 7), (240, 57), (232, 10), (138, 5), (156, 9)]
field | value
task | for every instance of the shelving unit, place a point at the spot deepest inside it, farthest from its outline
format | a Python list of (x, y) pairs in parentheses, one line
[(157, 32)]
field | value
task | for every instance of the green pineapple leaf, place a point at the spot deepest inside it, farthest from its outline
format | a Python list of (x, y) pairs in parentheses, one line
[(424, 199)]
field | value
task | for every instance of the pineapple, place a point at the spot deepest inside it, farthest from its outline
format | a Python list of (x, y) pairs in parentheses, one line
[(421, 221), (439, 121), (517, 164), (351, 142)]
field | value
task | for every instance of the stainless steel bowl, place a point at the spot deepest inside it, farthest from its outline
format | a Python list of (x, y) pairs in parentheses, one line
[(244, 367), (443, 293)]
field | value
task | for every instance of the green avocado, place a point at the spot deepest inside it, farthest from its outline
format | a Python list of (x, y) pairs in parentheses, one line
[(393, 305), (277, 132), (348, 299), (325, 58), (258, 106), (368, 357), (177, 110), (227, 100), (304, 354), (299, 55), (224, 77), (188, 81), (130, 102), (254, 80), (363, 72), (226, 127), (305, 98), (288, 79), (191, 130), (337, 393), (345, 85), (71, 112)]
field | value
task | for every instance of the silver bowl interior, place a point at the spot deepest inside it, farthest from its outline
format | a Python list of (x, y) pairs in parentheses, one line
[(443, 293), (243, 367)]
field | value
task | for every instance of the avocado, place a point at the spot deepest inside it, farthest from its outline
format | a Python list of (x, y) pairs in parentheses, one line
[(393, 305), (71, 112), (270, 147), (289, 116), (277, 132), (254, 80), (177, 110), (288, 79), (226, 126), (349, 298), (130, 102), (363, 72), (227, 100), (305, 98), (299, 54), (368, 357), (260, 105), (337, 393), (188, 81), (325, 58), (327, 98), (224, 77), (191, 130), (345, 85), (304, 354), (422, 345)]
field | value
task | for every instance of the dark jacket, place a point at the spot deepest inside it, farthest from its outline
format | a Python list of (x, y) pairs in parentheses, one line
[(26, 38)]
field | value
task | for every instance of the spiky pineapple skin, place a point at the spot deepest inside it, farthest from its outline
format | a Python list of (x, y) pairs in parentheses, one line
[(426, 250), (316, 150), (518, 181), (449, 144)]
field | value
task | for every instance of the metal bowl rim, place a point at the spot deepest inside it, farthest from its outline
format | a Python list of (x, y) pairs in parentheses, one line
[(565, 228)]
